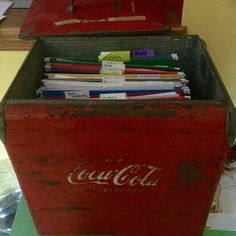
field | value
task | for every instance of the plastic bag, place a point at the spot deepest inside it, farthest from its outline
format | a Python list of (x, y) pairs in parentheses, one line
[(10, 195)]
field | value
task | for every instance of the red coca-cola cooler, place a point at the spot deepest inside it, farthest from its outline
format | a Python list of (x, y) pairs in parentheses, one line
[(117, 167)]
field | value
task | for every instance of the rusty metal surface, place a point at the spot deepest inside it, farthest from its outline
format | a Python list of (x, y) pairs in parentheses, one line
[(95, 15), (91, 166), (159, 161), (70, 108)]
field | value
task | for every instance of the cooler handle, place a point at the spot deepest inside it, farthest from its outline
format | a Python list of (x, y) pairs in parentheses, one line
[(71, 7)]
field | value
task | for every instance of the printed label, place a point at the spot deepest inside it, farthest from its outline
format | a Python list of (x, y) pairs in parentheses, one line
[(113, 96)]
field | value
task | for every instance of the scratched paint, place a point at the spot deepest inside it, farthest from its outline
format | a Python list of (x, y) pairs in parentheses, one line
[(144, 154)]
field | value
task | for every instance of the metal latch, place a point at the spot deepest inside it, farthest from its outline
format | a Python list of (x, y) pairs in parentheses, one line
[(71, 6)]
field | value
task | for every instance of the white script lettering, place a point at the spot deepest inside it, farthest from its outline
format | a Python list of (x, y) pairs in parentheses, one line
[(131, 175)]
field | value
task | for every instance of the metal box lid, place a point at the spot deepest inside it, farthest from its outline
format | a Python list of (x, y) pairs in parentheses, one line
[(92, 17)]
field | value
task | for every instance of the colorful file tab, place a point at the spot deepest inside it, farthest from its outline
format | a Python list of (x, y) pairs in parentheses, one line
[(114, 56), (116, 75), (143, 53)]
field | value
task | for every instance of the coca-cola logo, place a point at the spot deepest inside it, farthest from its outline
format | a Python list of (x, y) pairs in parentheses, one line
[(131, 175)]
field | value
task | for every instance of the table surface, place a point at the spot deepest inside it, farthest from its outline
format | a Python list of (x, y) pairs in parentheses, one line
[(9, 32)]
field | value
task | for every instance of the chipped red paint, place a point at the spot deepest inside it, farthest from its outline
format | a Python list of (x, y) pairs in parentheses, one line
[(121, 168), (159, 15)]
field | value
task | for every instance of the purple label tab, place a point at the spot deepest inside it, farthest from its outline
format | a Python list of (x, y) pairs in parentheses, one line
[(143, 53)]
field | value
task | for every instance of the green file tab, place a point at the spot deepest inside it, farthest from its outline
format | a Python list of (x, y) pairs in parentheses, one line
[(115, 56)]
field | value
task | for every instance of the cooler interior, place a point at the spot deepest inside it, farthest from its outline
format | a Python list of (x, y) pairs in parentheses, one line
[(204, 81)]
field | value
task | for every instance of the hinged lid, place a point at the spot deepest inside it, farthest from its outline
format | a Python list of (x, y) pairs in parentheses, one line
[(68, 17)]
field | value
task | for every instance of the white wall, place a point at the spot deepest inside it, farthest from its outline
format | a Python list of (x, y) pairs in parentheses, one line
[(22, 3), (10, 63), (215, 22)]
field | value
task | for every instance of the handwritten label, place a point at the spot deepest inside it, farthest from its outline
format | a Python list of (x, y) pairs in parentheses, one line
[(113, 96), (110, 85), (113, 65), (149, 76), (76, 95), (143, 53), (113, 79), (175, 56), (115, 56), (111, 72)]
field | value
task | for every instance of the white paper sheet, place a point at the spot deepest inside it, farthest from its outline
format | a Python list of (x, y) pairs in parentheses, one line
[(2, 17), (4, 6)]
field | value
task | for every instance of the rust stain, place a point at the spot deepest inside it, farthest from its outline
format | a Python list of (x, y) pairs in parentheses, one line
[(37, 173), (184, 131), (52, 182), (166, 112), (27, 32), (190, 172), (41, 160), (148, 108), (127, 129), (152, 110), (88, 109)]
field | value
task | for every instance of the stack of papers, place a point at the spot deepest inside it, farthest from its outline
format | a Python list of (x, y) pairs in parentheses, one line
[(4, 6), (122, 75)]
